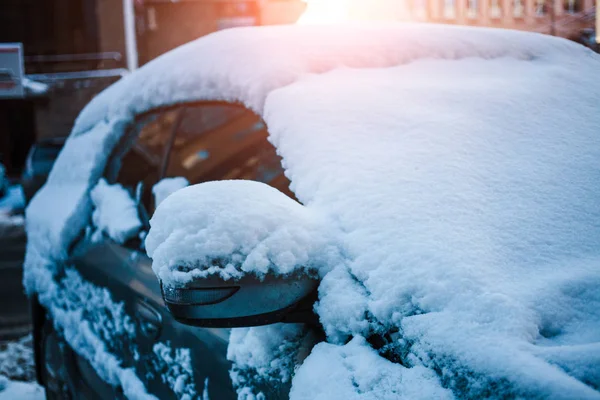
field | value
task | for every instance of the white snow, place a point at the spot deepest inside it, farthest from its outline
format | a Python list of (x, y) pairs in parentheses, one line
[(266, 356), (175, 369), (16, 390), (115, 212), (95, 326), (357, 372), (469, 206), (205, 395), (17, 371), (167, 186), (235, 227), (241, 65), (16, 359), (457, 168)]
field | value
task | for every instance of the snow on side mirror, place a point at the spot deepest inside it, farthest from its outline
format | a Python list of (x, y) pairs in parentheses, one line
[(238, 253)]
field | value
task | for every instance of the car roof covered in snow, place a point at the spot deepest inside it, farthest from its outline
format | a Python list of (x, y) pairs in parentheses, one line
[(245, 64)]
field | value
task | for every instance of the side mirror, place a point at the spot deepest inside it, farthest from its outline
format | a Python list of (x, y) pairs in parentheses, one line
[(237, 253), (248, 301)]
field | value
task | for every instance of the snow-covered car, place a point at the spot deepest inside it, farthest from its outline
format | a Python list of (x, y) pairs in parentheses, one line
[(431, 228)]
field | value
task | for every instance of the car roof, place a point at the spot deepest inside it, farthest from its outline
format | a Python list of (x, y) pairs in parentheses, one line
[(245, 64)]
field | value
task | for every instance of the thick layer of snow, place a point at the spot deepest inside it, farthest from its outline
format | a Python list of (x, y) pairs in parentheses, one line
[(468, 193), (266, 356), (462, 173), (167, 186), (235, 227), (240, 65), (357, 372), (115, 212)]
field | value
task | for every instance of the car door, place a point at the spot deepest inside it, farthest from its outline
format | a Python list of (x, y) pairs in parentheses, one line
[(148, 340), (200, 142)]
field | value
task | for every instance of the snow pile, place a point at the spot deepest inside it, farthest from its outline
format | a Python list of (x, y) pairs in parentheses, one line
[(356, 372), (167, 186), (235, 227), (115, 212), (265, 357), (16, 359), (241, 65), (17, 371), (472, 229), (11, 390)]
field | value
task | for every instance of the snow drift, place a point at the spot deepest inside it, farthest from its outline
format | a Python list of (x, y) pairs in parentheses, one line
[(234, 227)]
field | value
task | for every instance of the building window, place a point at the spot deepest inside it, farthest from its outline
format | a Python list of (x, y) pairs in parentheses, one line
[(518, 8), (495, 9), (472, 9), (449, 9), (573, 6), (540, 7)]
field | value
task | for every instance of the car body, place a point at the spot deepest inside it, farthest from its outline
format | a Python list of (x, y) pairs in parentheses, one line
[(201, 112)]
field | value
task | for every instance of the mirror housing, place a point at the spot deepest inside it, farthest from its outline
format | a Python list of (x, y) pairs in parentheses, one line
[(248, 301), (238, 253)]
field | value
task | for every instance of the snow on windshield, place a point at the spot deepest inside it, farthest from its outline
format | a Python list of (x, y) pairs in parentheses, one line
[(468, 193), (467, 208), (461, 173)]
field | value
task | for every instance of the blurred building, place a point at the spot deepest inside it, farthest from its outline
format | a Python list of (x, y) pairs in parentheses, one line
[(163, 25), (564, 18), (79, 47)]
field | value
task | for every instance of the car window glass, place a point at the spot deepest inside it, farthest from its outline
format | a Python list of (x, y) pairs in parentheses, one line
[(220, 141), (145, 152), (200, 142)]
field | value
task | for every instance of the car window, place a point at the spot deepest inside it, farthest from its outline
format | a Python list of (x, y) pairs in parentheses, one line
[(143, 153), (200, 142), (220, 141)]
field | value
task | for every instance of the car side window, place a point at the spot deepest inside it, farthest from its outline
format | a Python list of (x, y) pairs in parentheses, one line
[(200, 142), (216, 141), (140, 158)]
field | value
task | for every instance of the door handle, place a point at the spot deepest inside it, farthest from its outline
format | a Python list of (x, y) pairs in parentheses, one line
[(148, 318)]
